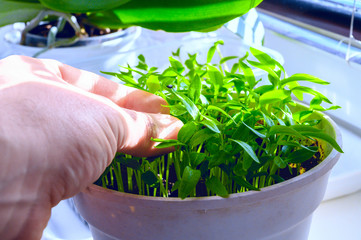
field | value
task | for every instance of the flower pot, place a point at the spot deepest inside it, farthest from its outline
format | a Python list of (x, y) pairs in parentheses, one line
[(88, 53), (279, 212)]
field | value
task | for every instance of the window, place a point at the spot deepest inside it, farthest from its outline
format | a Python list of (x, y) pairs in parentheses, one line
[(333, 16)]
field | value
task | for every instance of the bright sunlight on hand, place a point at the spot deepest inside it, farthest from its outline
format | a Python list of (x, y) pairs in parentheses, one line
[(59, 129)]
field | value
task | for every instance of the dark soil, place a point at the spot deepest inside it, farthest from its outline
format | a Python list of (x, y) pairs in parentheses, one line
[(291, 171)]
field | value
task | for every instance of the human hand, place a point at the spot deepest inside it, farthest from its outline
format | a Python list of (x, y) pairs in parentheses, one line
[(59, 129)]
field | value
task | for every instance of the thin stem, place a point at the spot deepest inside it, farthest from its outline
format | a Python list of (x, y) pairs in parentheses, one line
[(130, 179), (118, 177)]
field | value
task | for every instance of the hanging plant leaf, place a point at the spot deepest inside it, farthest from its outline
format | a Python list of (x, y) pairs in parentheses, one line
[(82, 6), (11, 12), (181, 16)]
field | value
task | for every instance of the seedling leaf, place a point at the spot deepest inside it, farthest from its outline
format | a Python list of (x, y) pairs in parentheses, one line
[(188, 182)]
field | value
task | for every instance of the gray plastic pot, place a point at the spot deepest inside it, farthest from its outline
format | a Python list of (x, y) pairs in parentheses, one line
[(279, 212)]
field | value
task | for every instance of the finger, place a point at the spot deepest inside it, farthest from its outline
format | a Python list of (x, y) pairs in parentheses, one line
[(123, 96), (50, 70), (136, 129)]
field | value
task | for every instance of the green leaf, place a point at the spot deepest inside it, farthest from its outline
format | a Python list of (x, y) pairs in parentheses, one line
[(176, 65), (200, 137), (182, 16), (128, 162), (177, 53), (280, 162), (106, 19), (176, 185), (302, 77), (247, 161), (212, 50), (210, 53), (123, 77), (24, 1), (239, 170), (247, 148), (301, 155), (218, 158), (225, 59), (244, 183), (265, 58), (195, 88), (150, 178), (11, 12), (248, 74), (189, 104), (218, 109), (177, 110), (215, 185), (284, 130), (312, 92), (325, 137), (187, 131), (264, 88), (196, 158), (305, 128), (274, 96), (82, 6), (215, 76), (188, 182), (211, 124), (277, 178), (153, 83), (166, 143), (268, 120), (268, 68), (259, 134), (300, 115)]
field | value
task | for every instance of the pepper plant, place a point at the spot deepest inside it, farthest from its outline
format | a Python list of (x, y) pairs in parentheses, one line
[(239, 133)]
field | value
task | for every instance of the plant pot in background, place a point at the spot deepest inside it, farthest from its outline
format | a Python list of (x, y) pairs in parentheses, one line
[(280, 212), (84, 54)]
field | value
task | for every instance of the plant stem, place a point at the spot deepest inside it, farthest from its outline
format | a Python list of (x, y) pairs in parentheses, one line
[(118, 177), (177, 165), (130, 179)]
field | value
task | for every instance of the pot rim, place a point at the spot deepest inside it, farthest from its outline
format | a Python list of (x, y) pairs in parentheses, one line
[(265, 193)]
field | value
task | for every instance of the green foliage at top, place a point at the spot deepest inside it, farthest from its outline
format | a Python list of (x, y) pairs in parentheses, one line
[(238, 134), (172, 16), (13, 11)]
